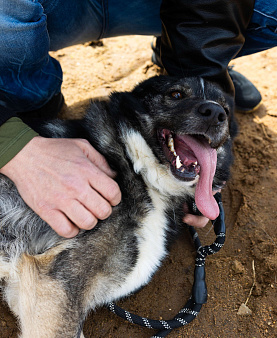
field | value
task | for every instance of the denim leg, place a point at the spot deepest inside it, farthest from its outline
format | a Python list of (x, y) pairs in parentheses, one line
[(29, 77), (262, 31), (137, 17), (70, 22)]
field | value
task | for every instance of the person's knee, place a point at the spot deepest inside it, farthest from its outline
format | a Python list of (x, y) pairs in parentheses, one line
[(23, 40), (21, 11)]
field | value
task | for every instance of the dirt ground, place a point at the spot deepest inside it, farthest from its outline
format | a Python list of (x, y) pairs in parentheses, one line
[(245, 270)]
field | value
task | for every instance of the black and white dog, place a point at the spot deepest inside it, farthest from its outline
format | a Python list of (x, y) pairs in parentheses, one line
[(169, 140)]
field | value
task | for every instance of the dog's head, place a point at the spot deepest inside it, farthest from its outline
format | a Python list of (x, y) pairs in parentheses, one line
[(188, 124)]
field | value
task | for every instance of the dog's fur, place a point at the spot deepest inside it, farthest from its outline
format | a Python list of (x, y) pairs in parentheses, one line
[(50, 283)]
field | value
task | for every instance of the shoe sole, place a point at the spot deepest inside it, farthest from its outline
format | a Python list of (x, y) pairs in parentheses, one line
[(247, 110)]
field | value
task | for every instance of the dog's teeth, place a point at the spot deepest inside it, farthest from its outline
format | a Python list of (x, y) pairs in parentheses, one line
[(171, 145), (209, 141), (195, 163), (178, 162), (170, 141)]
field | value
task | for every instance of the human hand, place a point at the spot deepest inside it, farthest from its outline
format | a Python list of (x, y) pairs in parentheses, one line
[(65, 181), (194, 220)]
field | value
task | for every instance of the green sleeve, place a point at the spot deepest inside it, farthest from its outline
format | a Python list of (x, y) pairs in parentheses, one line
[(14, 135)]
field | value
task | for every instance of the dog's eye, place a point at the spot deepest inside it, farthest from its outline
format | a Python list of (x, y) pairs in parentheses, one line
[(177, 95)]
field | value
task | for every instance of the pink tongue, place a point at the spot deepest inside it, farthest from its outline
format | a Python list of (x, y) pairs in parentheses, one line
[(207, 158)]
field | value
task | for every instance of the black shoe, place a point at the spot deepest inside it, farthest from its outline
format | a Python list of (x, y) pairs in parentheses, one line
[(47, 112), (247, 96)]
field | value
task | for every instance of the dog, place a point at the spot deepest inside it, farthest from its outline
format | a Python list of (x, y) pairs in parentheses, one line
[(169, 140)]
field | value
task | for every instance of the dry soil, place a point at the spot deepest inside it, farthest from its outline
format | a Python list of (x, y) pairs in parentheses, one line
[(249, 256)]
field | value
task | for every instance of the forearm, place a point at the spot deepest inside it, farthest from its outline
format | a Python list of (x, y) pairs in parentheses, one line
[(201, 37)]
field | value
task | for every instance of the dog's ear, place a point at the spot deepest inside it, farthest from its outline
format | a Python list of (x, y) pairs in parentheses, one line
[(131, 111), (152, 86), (126, 105)]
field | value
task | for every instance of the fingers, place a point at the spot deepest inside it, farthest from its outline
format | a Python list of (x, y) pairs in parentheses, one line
[(105, 186), (90, 203), (100, 175), (96, 158), (60, 223), (75, 216), (86, 205), (80, 216), (196, 221), (86, 194)]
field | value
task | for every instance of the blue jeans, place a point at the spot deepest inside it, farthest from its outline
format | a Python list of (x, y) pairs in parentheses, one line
[(29, 77), (262, 30)]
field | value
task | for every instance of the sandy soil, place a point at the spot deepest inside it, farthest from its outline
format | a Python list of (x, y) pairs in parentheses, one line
[(250, 253)]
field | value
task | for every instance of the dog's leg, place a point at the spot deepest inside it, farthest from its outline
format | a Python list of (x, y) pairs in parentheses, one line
[(41, 303)]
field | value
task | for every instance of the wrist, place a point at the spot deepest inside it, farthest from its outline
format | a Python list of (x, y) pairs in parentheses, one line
[(14, 135)]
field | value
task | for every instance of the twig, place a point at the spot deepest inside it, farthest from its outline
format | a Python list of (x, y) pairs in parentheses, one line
[(209, 230), (269, 237), (254, 281)]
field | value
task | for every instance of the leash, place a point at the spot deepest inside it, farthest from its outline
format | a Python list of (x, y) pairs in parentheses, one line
[(199, 289)]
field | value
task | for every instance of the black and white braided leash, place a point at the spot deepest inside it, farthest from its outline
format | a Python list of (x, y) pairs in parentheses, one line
[(199, 289)]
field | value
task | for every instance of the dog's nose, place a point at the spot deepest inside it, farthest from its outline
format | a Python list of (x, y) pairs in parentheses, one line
[(212, 112)]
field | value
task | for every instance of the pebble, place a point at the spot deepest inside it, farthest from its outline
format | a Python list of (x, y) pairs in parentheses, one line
[(237, 267), (3, 323), (244, 310)]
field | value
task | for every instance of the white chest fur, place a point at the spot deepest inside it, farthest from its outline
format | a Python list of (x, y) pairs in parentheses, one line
[(151, 246)]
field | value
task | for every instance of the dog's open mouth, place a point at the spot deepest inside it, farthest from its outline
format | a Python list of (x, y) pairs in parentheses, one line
[(184, 164), (192, 157)]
